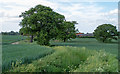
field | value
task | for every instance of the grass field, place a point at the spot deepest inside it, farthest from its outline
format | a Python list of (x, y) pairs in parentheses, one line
[(20, 52), (77, 55), (8, 39), (90, 43), (72, 59)]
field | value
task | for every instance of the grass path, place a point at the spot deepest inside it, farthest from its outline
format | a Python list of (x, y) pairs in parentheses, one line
[(15, 43)]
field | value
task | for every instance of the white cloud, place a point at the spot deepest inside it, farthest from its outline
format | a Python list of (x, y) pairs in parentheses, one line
[(10, 11), (112, 12), (115, 11), (88, 16)]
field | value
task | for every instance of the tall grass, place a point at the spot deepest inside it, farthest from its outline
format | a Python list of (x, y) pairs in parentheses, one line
[(99, 62), (72, 59), (25, 53)]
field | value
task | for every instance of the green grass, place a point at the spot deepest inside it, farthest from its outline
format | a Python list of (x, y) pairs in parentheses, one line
[(25, 52), (77, 55), (8, 39), (72, 59), (90, 43), (99, 62)]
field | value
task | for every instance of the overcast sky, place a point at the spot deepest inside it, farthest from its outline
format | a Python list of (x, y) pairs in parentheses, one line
[(88, 14)]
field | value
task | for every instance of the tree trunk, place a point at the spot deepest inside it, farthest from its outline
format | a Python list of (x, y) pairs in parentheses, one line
[(104, 39), (31, 39), (64, 39)]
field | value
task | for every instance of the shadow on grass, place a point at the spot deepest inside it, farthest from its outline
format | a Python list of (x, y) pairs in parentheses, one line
[(114, 42), (5, 43), (65, 45), (52, 45)]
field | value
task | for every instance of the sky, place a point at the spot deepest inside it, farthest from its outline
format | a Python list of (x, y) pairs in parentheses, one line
[(88, 14)]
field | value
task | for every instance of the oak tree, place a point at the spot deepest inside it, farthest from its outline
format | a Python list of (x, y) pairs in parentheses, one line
[(105, 33), (43, 22)]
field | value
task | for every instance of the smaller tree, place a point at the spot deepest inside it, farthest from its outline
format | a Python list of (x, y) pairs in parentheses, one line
[(68, 31), (105, 33)]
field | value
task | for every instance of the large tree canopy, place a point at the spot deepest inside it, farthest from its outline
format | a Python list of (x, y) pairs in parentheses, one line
[(105, 33), (43, 22)]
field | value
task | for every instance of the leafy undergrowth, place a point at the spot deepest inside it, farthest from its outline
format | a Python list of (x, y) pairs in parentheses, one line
[(99, 62), (71, 59)]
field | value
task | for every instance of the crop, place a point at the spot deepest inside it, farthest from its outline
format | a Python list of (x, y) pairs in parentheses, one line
[(26, 53), (72, 59), (91, 44), (77, 55), (7, 39)]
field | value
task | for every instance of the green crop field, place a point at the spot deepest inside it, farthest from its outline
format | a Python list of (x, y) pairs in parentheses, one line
[(20, 52), (90, 43), (72, 59), (7, 39), (76, 55)]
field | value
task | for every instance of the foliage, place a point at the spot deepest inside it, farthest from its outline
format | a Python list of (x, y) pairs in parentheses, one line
[(41, 20), (72, 59), (43, 39), (99, 62), (68, 31), (10, 33), (105, 33)]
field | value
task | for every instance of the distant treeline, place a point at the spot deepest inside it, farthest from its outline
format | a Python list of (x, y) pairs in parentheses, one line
[(10, 33)]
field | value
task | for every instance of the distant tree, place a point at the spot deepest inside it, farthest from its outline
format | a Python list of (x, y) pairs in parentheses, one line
[(105, 33), (42, 22), (68, 31), (17, 33), (10, 33), (4, 33), (77, 31)]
